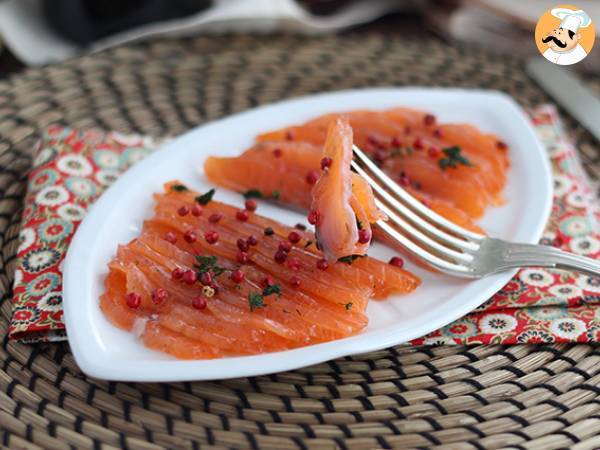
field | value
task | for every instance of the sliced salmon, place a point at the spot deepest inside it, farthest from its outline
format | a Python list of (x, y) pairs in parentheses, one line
[(296, 303), (409, 145), (342, 205)]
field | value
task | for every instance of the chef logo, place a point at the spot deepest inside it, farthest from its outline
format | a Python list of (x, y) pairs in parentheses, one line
[(565, 35)]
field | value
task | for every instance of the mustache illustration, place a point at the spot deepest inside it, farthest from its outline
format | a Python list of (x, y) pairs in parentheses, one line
[(556, 41)]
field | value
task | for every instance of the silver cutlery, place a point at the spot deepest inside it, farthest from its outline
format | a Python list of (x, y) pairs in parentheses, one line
[(449, 247)]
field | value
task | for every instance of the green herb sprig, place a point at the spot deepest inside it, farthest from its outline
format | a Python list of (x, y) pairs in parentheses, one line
[(206, 197), (348, 259), (252, 193), (255, 300), (272, 289), (453, 158), (208, 264)]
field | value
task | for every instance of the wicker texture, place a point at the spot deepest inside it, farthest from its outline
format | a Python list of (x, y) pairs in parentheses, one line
[(534, 397)]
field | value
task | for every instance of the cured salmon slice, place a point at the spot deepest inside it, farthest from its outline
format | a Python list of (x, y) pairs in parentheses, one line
[(456, 169), (207, 280), (343, 206)]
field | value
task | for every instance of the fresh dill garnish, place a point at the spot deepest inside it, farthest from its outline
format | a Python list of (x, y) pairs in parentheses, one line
[(179, 188), (255, 301), (348, 259), (206, 197), (276, 194), (269, 231), (272, 289), (208, 264), (359, 224), (253, 193), (453, 158), (348, 306)]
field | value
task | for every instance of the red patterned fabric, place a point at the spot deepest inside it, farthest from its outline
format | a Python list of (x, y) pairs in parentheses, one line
[(72, 168)]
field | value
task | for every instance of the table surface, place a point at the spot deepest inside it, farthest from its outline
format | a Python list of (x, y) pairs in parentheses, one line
[(482, 396)]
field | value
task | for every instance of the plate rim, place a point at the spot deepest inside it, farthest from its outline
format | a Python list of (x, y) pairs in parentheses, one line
[(305, 355)]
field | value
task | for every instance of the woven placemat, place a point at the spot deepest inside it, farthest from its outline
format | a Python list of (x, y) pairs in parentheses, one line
[(525, 396)]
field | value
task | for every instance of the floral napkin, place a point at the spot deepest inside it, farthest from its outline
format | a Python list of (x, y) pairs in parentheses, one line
[(73, 167)]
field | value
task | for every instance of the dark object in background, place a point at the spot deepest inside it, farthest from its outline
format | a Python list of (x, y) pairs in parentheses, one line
[(84, 21), (323, 7)]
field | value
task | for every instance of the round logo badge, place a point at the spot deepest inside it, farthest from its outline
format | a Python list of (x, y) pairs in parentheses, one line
[(565, 35)]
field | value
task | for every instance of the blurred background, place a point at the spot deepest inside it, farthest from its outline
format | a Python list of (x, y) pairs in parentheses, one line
[(38, 32)]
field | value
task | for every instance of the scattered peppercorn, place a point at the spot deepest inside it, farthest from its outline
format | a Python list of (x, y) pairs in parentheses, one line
[(380, 155), (322, 264), (242, 244), (206, 278), (269, 231), (418, 144), (280, 256), (313, 216), (251, 204), (434, 151), (364, 236), (429, 119), (289, 135), (189, 277), (285, 246), (326, 161), (267, 281), (183, 211), (300, 226), (295, 282), (374, 141), (197, 210), (396, 142), (214, 218), (404, 180), (277, 153), (159, 295), (199, 302), (312, 177), (190, 236), (437, 133), (209, 291), (501, 145), (396, 261), (242, 257), (211, 237), (177, 273), (133, 300), (294, 237), (252, 241), (170, 237), (242, 215), (237, 276)]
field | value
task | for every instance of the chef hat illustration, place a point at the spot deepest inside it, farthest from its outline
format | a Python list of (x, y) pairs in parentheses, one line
[(572, 20)]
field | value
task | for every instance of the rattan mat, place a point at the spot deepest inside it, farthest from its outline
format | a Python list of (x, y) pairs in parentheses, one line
[(524, 396)]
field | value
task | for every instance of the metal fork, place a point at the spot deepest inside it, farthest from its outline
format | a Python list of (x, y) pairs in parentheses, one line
[(448, 247)]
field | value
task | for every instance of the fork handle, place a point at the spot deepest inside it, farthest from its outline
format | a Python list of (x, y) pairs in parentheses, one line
[(515, 255)]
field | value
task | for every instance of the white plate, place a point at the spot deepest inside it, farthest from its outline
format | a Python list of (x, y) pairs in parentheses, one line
[(103, 351)]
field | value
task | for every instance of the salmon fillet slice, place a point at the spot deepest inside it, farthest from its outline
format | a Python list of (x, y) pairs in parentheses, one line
[(456, 169), (252, 303)]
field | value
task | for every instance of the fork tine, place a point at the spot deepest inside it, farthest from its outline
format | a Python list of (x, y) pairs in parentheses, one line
[(415, 235), (411, 201), (435, 261), (402, 209)]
